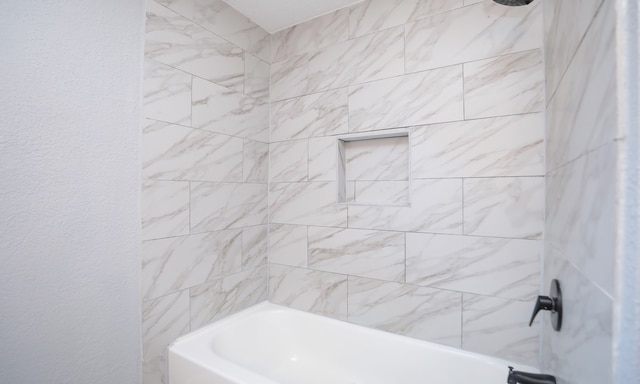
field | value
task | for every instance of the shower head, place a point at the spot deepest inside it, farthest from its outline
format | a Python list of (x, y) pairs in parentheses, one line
[(513, 2)]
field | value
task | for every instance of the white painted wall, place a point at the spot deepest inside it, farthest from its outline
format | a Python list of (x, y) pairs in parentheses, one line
[(70, 99)]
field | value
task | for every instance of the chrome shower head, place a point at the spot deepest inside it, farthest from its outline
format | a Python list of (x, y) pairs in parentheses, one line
[(513, 2)]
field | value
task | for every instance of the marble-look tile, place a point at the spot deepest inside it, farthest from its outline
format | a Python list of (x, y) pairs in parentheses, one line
[(343, 185), (255, 162), (367, 58), (216, 206), (506, 85), (420, 312), (581, 218), (288, 245), (428, 97), (378, 159), (224, 21), (565, 24), (227, 295), (323, 159), (504, 207), (320, 114), (174, 40), (313, 203), (165, 209), (581, 352), (167, 93), (436, 207), (311, 35), (470, 2), (177, 263), (219, 109), (471, 33), (163, 320), (375, 15), (322, 293), (288, 161), (582, 114), (256, 77), (374, 254), (502, 146), (255, 246), (173, 152), (290, 78), (499, 327), (382, 192), (507, 268)]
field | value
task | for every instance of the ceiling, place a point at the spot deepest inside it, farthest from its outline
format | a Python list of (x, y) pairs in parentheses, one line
[(274, 15)]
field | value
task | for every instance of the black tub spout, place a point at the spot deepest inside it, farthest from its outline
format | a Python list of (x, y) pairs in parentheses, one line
[(518, 377)]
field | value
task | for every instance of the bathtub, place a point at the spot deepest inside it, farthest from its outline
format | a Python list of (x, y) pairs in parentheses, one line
[(270, 344)]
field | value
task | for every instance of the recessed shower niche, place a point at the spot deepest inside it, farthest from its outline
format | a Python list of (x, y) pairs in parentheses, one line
[(374, 169)]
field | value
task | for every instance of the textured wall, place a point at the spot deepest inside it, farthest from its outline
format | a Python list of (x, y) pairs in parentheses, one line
[(460, 265), (581, 186), (69, 198), (204, 170)]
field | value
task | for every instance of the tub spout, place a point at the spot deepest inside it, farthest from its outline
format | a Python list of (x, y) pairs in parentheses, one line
[(518, 377)]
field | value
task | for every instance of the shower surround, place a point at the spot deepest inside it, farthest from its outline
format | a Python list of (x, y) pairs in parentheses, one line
[(204, 169), (460, 264)]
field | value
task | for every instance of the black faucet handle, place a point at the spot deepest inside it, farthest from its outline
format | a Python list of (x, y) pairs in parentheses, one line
[(542, 303)]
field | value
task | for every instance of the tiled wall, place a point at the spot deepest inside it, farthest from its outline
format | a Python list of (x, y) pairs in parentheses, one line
[(465, 79), (581, 181), (205, 153)]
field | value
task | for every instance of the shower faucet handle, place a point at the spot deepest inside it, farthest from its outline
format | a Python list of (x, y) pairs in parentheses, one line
[(552, 303), (542, 303)]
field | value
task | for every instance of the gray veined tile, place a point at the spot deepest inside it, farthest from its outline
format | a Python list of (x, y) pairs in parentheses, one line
[(163, 320), (507, 268), (288, 161), (471, 33), (244, 205), (167, 93), (367, 58), (255, 246), (255, 162), (176, 41), (504, 207), (377, 159), (581, 116), (581, 218), (506, 85), (172, 152), (375, 15), (322, 293), (499, 327), (219, 109), (165, 209), (581, 351), (323, 158), (502, 146), (306, 203), (320, 114), (177, 263), (436, 207), (566, 23), (382, 192), (311, 35), (224, 21), (288, 245), (227, 295), (256, 77), (374, 254), (427, 97), (290, 78), (420, 312)]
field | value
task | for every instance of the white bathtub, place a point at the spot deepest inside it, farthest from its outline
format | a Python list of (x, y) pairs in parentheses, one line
[(270, 344)]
